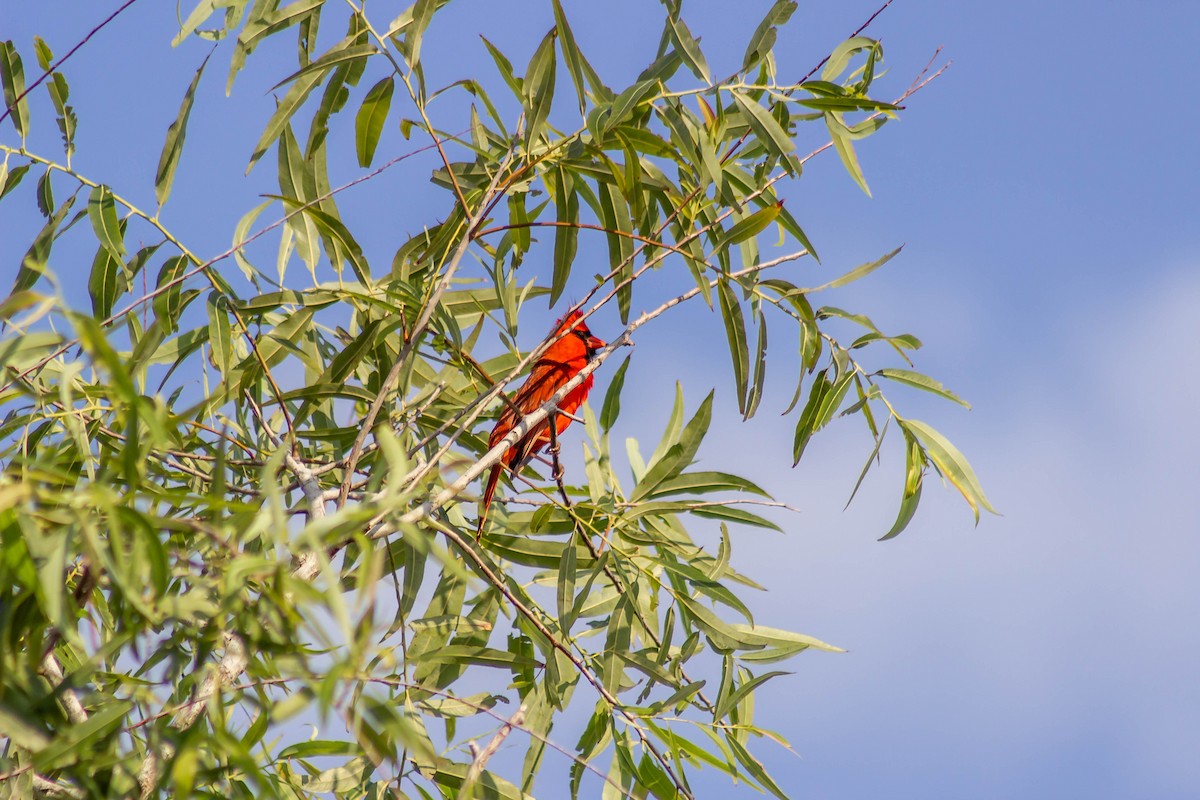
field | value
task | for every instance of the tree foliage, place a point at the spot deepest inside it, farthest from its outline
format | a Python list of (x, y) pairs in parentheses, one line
[(237, 498)]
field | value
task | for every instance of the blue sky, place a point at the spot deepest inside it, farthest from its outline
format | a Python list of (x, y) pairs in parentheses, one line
[(1046, 191)]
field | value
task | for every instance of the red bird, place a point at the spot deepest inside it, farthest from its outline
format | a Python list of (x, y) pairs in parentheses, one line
[(573, 346)]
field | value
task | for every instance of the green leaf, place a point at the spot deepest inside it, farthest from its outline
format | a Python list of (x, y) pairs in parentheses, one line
[(538, 90), (759, 380), (505, 68), (702, 483), (479, 656), (489, 786), (12, 76), (105, 283), (611, 409), (842, 54), (861, 271), (689, 48), (566, 234), (21, 729), (68, 747), (36, 260), (11, 179), (571, 54), (102, 212), (169, 304), (923, 382), (45, 193), (754, 767), (220, 333), (733, 514), (735, 332), (733, 698), (841, 137), (951, 464), (164, 177), (773, 137), (292, 100), (763, 38), (914, 477), (566, 588), (678, 455), (240, 233), (371, 116), (346, 51), (752, 225)]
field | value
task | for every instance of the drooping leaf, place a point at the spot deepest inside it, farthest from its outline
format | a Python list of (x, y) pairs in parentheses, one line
[(371, 115), (168, 162)]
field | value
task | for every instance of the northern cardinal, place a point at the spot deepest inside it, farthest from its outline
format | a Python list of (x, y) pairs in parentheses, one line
[(573, 346)]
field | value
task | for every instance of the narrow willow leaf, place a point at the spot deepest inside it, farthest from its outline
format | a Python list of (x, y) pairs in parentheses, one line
[(845, 150), (611, 409), (689, 49), (858, 272), (451, 777), (841, 55), (923, 382), (12, 76), (102, 212), (763, 38), (677, 449), (774, 138), (870, 460), (349, 50), (505, 68), (36, 260), (105, 283), (266, 19), (45, 193), (806, 426), (734, 697), (736, 515), (371, 116), (702, 482), (200, 13), (620, 624), (68, 746), (11, 179), (566, 589), (169, 304), (168, 162), (759, 379), (951, 464), (414, 34), (571, 54), (752, 225), (292, 100), (627, 102), (240, 233), (539, 88), (566, 234), (914, 465), (220, 333), (297, 185), (735, 332), (754, 767)]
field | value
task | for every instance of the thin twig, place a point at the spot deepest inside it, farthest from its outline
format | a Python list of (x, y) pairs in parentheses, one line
[(483, 756), (9, 109)]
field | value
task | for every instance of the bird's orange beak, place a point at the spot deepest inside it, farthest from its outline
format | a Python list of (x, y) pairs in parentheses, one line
[(593, 344)]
